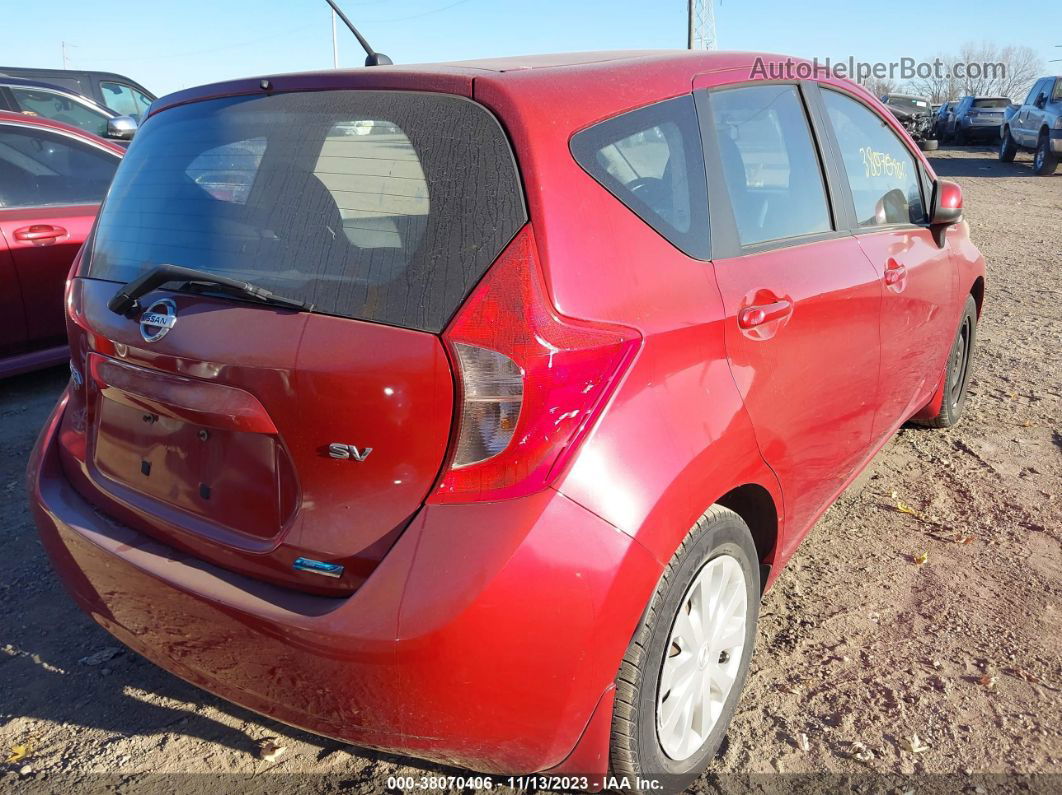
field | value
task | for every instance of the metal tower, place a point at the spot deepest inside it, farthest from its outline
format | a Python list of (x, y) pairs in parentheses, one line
[(702, 25)]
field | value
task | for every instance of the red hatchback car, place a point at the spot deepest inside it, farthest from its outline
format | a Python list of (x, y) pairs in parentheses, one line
[(52, 179), (465, 411)]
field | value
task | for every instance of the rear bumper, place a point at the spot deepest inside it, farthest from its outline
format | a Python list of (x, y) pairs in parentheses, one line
[(986, 128), (484, 639)]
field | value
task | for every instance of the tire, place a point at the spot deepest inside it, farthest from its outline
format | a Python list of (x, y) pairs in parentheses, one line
[(1044, 161), (957, 371), (1007, 148), (929, 145), (719, 544)]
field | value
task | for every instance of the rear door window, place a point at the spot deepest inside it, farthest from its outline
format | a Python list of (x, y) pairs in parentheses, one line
[(41, 169), (881, 171), (381, 206), (651, 160), (770, 164), (59, 107)]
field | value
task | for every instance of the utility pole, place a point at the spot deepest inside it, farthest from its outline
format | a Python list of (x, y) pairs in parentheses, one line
[(66, 60), (335, 43), (701, 30)]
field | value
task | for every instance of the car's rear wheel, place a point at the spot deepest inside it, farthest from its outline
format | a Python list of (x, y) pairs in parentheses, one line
[(957, 372), (1007, 148), (1044, 161), (682, 675)]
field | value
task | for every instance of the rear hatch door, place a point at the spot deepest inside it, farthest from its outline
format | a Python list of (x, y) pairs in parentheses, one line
[(280, 443)]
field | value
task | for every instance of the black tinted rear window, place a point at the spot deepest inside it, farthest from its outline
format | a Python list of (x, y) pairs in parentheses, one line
[(381, 206), (991, 103)]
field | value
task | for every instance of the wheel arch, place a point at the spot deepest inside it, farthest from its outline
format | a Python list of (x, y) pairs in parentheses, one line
[(977, 290), (756, 507)]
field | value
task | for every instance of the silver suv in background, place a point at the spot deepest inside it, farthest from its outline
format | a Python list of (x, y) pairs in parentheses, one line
[(1036, 127), (976, 117), (33, 98)]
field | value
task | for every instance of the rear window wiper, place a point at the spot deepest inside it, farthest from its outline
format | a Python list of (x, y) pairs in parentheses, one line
[(125, 301)]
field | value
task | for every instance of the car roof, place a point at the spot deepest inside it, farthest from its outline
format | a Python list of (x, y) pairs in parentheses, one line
[(73, 74), (7, 79), (512, 63), (644, 75), (9, 117)]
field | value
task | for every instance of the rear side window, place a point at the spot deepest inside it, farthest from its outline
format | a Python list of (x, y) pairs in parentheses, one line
[(770, 165), (651, 160), (41, 169), (881, 170), (380, 206)]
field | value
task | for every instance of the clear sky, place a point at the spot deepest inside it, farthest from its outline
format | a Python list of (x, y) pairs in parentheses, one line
[(172, 44)]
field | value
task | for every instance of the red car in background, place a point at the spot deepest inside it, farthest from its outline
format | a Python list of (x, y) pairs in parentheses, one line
[(466, 410), (52, 179)]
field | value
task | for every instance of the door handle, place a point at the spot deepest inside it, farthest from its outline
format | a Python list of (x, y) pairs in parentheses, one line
[(752, 316), (40, 234), (894, 272)]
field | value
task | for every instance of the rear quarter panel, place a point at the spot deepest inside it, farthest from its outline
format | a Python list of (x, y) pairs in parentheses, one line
[(675, 436)]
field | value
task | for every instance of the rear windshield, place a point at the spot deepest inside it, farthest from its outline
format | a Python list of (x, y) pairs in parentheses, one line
[(381, 206), (991, 103), (908, 104)]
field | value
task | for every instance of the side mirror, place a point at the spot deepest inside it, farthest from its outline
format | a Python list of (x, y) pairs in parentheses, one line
[(121, 127), (947, 204), (1041, 100)]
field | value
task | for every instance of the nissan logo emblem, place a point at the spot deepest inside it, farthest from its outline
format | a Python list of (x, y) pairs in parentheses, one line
[(157, 321)]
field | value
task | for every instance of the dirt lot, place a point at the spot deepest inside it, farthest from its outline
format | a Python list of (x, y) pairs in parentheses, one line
[(868, 662)]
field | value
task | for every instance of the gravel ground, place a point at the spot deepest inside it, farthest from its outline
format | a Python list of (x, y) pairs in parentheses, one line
[(869, 665)]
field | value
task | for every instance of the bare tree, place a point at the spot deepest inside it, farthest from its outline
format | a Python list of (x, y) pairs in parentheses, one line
[(941, 85), (1023, 67), (879, 86), (983, 69)]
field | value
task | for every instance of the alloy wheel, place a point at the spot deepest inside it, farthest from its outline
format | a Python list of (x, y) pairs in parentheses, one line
[(703, 657)]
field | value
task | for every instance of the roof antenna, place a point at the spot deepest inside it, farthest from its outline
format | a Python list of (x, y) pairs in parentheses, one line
[(372, 58)]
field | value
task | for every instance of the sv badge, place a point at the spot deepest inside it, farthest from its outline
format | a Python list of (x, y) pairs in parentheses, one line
[(348, 451)]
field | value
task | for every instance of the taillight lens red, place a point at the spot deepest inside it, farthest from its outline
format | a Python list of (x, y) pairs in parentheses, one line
[(530, 381)]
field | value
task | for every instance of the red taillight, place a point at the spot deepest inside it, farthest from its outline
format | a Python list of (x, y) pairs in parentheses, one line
[(530, 381)]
